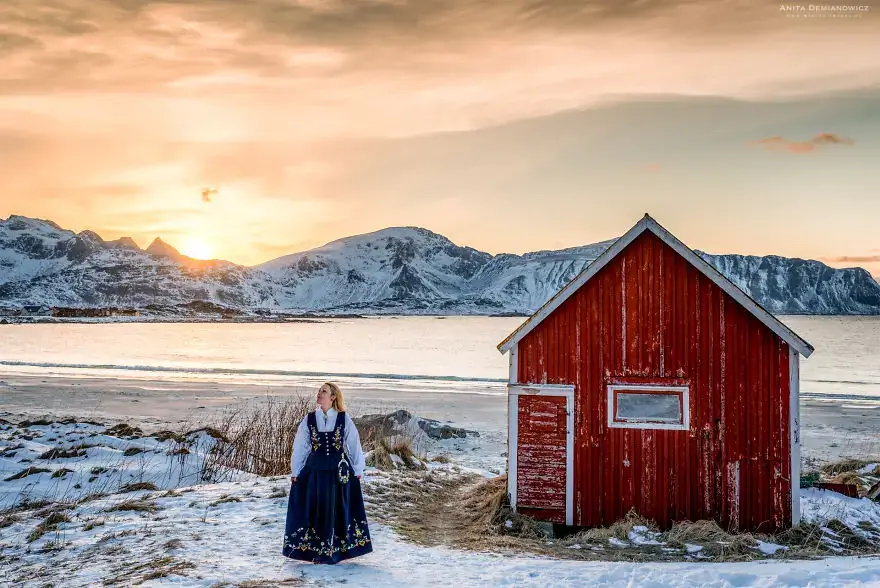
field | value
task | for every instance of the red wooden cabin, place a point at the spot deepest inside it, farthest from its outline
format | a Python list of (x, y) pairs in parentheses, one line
[(651, 382)]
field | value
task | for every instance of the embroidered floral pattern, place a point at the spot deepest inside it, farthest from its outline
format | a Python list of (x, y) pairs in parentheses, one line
[(316, 440), (337, 438), (308, 540)]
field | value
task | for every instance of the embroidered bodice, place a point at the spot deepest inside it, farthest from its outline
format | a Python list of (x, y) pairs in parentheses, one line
[(329, 443), (329, 435)]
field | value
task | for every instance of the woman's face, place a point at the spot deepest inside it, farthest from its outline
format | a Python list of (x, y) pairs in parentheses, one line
[(324, 398)]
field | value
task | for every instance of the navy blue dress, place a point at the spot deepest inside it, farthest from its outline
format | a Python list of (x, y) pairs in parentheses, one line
[(326, 519)]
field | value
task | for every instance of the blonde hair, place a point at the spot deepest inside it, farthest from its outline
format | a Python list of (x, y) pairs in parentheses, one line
[(338, 398)]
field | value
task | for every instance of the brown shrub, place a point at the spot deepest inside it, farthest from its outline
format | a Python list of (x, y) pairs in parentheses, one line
[(257, 437)]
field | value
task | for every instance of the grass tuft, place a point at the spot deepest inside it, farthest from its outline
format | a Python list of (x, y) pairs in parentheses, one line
[(136, 486), (30, 471), (134, 505)]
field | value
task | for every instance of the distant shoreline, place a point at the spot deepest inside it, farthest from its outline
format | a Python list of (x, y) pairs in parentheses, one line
[(286, 318), (305, 318)]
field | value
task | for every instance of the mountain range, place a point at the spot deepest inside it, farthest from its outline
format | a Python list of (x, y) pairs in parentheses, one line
[(400, 270)]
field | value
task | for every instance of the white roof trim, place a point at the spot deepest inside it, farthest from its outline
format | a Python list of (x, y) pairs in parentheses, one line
[(649, 224)]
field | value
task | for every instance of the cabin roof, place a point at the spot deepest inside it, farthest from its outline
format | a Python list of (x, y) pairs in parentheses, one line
[(647, 223)]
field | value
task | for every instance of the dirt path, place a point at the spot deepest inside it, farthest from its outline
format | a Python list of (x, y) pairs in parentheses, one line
[(426, 508)]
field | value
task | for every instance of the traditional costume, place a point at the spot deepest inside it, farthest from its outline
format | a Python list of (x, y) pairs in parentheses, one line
[(326, 520)]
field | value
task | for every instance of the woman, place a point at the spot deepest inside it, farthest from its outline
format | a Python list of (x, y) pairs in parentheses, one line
[(326, 521)]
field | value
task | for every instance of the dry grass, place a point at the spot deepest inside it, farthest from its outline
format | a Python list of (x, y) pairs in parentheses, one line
[(8, 521), (482, 503), (61, 453), (93, 524), (160, 567), (278, 493), (136, 486), (134, 505), (619, 530), (385, 450), (715, 541), (169, 435), (853, 478), (846, 465), (258, 437), (224, 499), (27, 472), (49, 524), (483, 520)]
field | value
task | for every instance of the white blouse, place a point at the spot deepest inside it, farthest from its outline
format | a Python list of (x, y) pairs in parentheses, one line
[(326, 422)]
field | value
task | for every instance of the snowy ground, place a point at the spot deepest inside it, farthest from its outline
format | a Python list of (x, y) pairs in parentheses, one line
[(188, 533), (228, 534)]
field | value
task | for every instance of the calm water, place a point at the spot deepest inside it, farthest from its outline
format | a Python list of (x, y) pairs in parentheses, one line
[(453, 353)]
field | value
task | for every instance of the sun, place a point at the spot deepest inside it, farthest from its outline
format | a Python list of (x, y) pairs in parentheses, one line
[(197, 248)]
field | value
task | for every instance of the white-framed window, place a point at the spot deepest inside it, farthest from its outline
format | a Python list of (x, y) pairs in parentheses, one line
[(648, 406)]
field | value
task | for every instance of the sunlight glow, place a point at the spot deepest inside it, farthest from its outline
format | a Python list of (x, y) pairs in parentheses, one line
[(197, 248)]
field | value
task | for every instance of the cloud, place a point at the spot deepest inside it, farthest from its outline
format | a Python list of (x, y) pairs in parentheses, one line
[(400, 68), (781, 144), (854, 259)]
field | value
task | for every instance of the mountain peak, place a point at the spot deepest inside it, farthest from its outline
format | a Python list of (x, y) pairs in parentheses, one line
[(160, 248), (17, 222), (124, 243)]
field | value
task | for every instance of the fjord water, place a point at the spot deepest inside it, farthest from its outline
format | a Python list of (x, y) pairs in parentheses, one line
[(449, 353)]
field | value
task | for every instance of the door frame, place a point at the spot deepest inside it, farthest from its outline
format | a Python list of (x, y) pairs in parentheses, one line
[(514, 391)]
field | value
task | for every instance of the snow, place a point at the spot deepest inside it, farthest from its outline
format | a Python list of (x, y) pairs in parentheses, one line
[(770, 548), (820, 506), (869, 469), (239, 541), (104, 466), (229, 531), (641, 535), (399, 270)]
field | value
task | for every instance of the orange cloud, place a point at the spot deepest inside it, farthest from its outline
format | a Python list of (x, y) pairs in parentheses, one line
[(781, 144), (853, 259)]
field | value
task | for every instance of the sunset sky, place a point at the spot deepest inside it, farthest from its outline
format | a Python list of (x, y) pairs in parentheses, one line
[(248, 130)]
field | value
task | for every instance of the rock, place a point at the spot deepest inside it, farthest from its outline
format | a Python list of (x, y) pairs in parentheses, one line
[(377, 426), (402, 422), (435, 430)]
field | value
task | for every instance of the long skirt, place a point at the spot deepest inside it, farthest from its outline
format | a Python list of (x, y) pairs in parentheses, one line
[(326, 520)]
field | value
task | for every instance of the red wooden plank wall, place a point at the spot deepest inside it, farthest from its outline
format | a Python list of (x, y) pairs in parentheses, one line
[(651, 317)]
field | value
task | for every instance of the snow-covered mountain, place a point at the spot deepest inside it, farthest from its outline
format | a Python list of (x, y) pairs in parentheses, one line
[(393, 268), (406, 270), (43, 264)]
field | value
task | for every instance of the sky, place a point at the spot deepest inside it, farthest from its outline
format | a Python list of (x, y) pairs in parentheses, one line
[(249, 130)]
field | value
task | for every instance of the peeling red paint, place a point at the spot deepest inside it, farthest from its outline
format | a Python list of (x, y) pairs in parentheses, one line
[(540, 483), (650, 317)]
